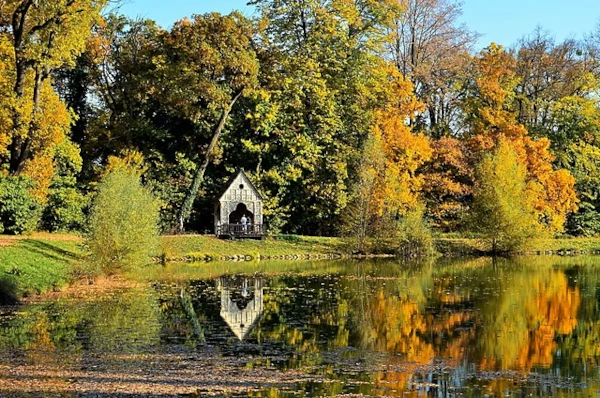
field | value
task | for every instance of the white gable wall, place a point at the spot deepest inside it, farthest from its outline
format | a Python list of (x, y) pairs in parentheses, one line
[(234, 195)]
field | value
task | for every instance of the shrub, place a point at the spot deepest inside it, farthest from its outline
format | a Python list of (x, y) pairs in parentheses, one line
[(123, 222), (19, 211), (64, 210), (415, 238)]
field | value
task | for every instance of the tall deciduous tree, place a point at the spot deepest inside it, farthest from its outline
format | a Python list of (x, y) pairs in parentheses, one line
[(323, 74), (389, 185), (502, 210), (110, 89), (491, 119), (44, 35), (548, 72), (208, 63), (556, 98), (430, 47), (405, 152)]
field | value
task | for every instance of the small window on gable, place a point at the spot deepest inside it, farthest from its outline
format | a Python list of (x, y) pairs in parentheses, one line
[(242, 186)]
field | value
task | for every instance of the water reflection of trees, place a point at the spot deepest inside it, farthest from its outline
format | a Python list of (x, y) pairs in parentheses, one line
[(476, 316), (126, 322), (396, 327)]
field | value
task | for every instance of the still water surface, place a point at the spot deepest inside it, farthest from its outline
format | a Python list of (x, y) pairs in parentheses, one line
[(525, 327)]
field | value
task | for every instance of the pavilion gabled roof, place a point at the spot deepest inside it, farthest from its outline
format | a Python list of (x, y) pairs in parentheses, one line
[(246, 181)]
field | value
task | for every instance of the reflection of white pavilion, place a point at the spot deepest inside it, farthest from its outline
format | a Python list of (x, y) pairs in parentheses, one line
[(241, 304)]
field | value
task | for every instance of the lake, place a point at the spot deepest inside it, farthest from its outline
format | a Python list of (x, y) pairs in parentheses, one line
[(472, 327)]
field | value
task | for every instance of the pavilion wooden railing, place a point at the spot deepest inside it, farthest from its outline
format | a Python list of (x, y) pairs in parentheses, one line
[(242, 230)]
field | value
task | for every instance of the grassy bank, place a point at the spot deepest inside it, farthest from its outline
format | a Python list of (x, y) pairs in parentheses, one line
[(43, 263), (36, 265), (199, 247), (542, 246)]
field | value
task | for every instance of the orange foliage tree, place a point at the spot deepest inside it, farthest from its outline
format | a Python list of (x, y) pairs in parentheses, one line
[(448, 179), (399, 184), (388, 184), (490, 120)]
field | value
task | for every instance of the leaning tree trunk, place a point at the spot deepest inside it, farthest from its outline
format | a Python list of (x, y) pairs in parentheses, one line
[(186, 207)]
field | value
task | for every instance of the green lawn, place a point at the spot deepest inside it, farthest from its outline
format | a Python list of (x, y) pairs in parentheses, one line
[(43, 262), (34, 266)]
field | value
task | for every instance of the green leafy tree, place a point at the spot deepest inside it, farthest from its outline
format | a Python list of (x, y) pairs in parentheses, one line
[(110, 89), (502, 211), (584, 163), (123, 223), (207, 64), (360, 214), (325, 80), (19, 210)]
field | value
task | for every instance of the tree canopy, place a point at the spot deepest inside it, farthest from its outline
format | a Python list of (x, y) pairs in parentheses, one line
[(373, 108)]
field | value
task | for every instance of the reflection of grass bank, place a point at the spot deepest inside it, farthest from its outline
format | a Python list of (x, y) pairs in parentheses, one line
[(36, 265), (196, 247)]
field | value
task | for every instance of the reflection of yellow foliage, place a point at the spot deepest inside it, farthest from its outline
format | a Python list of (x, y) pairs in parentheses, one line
[(554, 309), (526, 335), (41, 347)]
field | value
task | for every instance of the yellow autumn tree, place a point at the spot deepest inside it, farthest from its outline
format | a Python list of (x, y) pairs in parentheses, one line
[(388, 184), (399, 185), (5, 93), (35, 39), (491, 120)]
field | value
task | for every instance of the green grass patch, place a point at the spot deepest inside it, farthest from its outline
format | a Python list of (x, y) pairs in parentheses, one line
[(34, 266), (471, 246), (198, 246)]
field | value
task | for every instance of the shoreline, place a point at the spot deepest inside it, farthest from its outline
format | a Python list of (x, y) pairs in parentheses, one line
[(44, 263)]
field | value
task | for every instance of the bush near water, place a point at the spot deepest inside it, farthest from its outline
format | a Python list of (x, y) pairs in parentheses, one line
[(123, 222)]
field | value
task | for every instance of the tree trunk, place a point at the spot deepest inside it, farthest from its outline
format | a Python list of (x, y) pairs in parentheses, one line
[(20, 147), (186, 207), (17, 140), (18, 26)]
